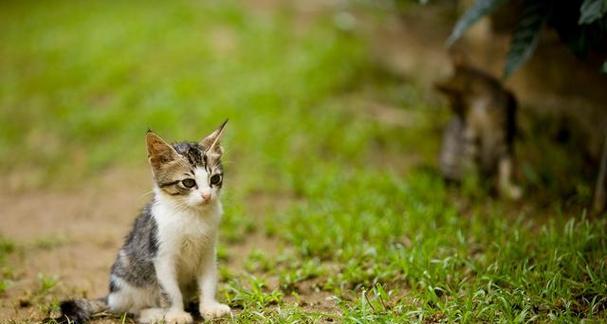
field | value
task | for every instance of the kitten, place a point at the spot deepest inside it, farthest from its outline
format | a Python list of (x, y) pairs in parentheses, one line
[(169, 256), (481, 133)]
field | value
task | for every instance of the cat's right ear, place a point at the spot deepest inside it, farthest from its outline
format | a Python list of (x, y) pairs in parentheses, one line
[(159, 151)]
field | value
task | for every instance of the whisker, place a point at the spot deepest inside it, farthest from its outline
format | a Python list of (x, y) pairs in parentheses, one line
[(143, 195)]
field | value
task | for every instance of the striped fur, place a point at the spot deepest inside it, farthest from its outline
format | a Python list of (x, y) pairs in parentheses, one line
[(168, 258), (480, 135)]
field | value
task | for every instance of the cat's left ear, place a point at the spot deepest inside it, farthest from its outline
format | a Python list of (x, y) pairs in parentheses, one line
[(212, 143), (159, 151)]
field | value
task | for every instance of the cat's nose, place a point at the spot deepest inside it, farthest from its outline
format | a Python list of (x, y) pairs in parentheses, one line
[(206, 197)]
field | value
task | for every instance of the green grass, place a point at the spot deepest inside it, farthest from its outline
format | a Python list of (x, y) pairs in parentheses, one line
[(403, 238), (74, 86), (81, 82), (6, 271)]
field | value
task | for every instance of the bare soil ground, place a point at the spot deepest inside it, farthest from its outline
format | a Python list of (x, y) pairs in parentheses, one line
[(72, 237), (71, 234)]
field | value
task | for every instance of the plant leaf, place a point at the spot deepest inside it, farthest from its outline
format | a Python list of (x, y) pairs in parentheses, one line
[(591, 10), (526, 34), (479, 9), (604, 69)]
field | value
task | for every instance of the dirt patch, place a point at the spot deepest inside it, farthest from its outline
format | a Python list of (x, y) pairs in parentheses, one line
[(68, 237), (68, 240)]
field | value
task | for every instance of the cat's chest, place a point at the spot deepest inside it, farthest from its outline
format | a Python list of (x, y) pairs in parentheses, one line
[(186, 243), (185, 235), (193, 243)]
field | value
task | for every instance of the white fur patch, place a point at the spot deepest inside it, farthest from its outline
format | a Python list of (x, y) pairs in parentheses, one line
[(131, 299), (186, 237), (151, 315)]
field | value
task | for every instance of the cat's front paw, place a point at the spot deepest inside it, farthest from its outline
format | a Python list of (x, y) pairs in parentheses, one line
[(151, 316), (214, 310), (178, 317)]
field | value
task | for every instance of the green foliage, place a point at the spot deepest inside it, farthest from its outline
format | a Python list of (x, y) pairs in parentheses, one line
[(6, 247), (591, 11), (254, 295), (47, 283), (581, 25), (525, 36), (405, 253), (77, 97), (480, 9)]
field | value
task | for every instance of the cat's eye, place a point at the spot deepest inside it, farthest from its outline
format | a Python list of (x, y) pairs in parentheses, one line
[(215, 179), (188, 183)]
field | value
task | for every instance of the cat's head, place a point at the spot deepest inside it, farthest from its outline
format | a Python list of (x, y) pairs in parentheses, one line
[(466, 79), (457, 84), (189, 174)]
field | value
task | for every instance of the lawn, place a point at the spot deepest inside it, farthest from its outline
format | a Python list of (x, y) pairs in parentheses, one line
[(356, 224)]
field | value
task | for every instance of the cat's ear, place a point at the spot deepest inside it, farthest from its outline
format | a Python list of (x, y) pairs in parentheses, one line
[(159, 151), (446, 87), (212, 143)]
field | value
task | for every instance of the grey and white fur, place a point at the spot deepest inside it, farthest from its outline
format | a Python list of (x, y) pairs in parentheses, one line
[(169, 256)]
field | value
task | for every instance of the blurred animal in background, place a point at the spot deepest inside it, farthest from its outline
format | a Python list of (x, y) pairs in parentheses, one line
[(480, 135)]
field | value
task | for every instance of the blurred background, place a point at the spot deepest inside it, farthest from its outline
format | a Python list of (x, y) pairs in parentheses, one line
[(335, 208)]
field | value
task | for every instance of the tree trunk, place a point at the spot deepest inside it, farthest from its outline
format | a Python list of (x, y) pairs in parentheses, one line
[(600, 199)]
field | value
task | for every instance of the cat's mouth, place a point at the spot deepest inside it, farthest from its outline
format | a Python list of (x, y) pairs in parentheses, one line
[(205, 203)]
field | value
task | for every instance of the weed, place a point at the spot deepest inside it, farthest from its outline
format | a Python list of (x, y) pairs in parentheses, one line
[(46, 283)]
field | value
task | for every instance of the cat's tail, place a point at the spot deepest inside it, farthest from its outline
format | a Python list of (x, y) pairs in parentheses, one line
[(79, 311)]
